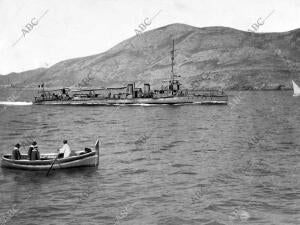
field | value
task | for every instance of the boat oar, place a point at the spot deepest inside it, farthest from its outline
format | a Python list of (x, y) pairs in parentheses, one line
[(52, 164), (97, 152)]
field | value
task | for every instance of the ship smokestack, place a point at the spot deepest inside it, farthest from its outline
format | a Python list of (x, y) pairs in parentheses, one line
[(146, 89), (130, 89)]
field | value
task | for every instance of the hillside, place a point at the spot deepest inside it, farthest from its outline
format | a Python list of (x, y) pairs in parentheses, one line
[(213, 57)]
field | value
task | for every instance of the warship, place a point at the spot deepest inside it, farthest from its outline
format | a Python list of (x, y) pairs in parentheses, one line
[(171, 92)]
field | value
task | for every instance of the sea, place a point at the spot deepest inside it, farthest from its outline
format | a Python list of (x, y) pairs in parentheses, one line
[(159, 165)]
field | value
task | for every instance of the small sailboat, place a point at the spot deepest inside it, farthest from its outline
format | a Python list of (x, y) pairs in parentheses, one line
[(296, 89)]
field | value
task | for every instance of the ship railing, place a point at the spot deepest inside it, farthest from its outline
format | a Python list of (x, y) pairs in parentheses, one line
[(223, 98), (204, 93), (51, 98)]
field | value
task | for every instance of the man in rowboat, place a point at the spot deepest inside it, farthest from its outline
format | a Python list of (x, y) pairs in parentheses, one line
[(65, 151), (33, 152), (16, 152)]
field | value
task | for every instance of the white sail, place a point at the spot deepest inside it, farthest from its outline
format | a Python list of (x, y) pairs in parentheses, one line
[(296, 89)]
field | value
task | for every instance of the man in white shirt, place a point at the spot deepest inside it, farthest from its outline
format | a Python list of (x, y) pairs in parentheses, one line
[(65, 150)]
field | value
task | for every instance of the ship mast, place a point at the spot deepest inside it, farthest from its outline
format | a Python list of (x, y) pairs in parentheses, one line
[(172, 58)]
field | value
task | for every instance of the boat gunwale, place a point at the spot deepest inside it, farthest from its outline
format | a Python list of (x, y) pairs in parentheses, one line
[(44, 162), (65, 165)]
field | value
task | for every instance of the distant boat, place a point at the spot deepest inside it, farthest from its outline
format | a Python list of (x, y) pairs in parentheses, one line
[(296, 89)]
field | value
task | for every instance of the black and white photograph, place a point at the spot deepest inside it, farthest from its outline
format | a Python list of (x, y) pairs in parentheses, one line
[(150, 112)]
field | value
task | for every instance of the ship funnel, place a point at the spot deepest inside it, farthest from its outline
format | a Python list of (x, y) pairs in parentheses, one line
[(130, 89), (146, 89)]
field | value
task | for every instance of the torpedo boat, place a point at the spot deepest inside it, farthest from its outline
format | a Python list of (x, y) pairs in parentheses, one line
[(171, 92)]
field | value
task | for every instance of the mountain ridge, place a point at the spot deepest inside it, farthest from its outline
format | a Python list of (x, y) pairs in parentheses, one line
[(208, 57)]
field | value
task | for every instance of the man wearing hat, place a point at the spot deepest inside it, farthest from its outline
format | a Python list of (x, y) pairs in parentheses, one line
[(33, 152), (16, 155)]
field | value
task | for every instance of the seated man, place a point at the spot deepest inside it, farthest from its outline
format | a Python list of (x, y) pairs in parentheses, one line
[(65, 151), (16, 152), (33, 152)]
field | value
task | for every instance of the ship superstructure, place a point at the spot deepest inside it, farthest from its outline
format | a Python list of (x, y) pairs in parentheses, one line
[(169, 93)]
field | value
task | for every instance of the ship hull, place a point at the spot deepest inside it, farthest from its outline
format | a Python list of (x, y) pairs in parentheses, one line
[(213, 100)]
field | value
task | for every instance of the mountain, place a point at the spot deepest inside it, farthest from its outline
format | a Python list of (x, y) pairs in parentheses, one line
[(20, 79), (212, 57)]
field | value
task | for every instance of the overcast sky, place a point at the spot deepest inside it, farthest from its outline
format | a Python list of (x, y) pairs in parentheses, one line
[(75, 28)]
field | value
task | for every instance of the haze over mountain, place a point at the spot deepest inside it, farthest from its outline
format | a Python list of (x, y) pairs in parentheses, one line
[(212, 57)]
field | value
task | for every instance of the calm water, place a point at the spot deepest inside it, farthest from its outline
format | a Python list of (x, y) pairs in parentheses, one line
[(190, 164)]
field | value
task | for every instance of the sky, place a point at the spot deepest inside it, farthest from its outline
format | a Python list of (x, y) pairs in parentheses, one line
[(40, 33)]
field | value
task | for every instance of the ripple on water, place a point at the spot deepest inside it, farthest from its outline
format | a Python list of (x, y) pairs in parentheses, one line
[(184, 173), (178, 165), (133, 171)]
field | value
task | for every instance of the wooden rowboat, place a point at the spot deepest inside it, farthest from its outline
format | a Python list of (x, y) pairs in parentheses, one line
[(81, 159)]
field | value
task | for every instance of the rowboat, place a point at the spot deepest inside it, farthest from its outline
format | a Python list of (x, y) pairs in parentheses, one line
[(50, 160)]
